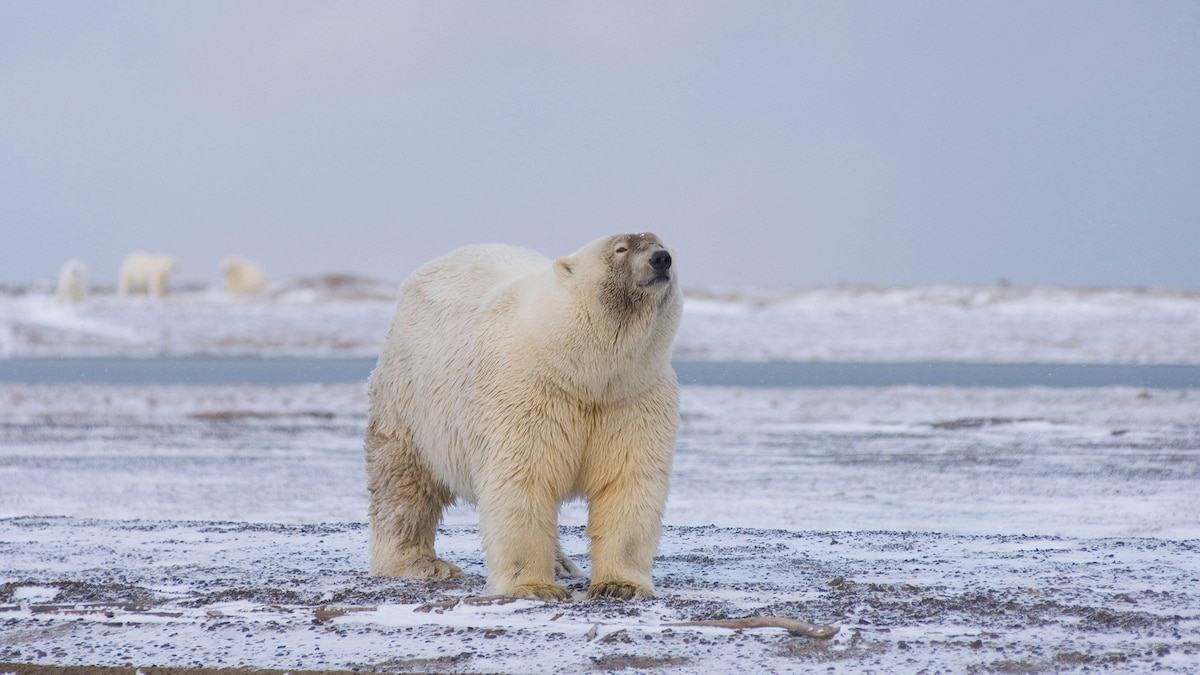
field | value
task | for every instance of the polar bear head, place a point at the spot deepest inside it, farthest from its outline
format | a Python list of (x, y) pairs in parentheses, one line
[(628, 271)]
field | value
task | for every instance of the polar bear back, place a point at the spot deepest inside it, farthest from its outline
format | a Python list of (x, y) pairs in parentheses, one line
[(456, 284)]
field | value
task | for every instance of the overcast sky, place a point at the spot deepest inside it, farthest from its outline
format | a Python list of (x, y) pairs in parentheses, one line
[(770, 143)]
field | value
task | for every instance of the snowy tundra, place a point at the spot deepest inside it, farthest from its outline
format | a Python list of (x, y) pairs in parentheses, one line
[(973, 530)]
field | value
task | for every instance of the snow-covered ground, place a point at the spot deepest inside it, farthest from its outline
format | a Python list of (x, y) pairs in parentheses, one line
[(220, 594), (998, 325), (346, 316), (942, 529), (1108, 462), (961, 530)]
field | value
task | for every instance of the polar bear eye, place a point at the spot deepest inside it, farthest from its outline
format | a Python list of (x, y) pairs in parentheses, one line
[(621, 249)]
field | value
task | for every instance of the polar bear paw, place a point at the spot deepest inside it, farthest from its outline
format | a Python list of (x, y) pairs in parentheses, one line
[(619, 590), (424, 567), (547, 592), (565, 569)]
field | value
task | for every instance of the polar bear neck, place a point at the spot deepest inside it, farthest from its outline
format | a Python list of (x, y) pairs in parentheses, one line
[(627, 325), (594, 352)]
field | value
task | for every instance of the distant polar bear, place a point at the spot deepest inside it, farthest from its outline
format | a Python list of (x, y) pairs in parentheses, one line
[(242, 276), (516, 382), (72, 283), (142, 271)]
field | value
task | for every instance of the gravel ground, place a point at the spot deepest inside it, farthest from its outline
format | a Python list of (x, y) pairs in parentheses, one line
[(211, 594)]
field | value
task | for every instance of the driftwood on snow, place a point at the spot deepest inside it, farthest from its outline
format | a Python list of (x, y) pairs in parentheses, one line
[(438, 607), (325, 614)]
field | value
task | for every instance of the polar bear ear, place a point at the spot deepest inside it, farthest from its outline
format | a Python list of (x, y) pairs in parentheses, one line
[(564, 267)]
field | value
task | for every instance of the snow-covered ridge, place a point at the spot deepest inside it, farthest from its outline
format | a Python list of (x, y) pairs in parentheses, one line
[(1022, 298), (344, 316), (1001, 324)]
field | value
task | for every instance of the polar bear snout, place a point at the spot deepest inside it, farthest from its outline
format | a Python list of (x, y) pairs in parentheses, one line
[(659, 272)]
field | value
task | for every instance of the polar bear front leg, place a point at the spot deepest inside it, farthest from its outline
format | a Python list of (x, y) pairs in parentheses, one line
[(518, 520), (405, 506), (628, 467)]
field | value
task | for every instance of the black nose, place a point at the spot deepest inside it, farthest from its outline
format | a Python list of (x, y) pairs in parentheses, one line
[(660, 260)]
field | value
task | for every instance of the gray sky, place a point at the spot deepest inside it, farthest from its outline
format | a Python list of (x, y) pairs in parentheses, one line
[(770, 143)]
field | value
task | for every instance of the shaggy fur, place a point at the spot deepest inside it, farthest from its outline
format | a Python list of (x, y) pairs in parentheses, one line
[(515, 383)]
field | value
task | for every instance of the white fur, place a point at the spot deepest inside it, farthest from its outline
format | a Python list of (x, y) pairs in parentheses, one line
[(145, 272), (510, 381), (72, 283), (242, 276)]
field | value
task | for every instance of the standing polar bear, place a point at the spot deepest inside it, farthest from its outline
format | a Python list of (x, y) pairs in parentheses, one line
[(516, 383), (144, 271), (72, 283), (242, 276)]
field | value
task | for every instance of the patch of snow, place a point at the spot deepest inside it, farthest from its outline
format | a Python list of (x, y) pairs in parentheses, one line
[(36, 594), (1080, 462)]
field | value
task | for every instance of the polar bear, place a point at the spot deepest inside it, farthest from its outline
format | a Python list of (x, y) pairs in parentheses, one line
[(72, 283), (242, 276), (144, 271), (515, 382)]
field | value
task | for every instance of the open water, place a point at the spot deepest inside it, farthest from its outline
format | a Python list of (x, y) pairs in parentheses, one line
[(253, 370)]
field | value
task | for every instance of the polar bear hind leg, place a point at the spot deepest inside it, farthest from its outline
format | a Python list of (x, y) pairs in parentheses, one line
[(564, 568), (405, 507)]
